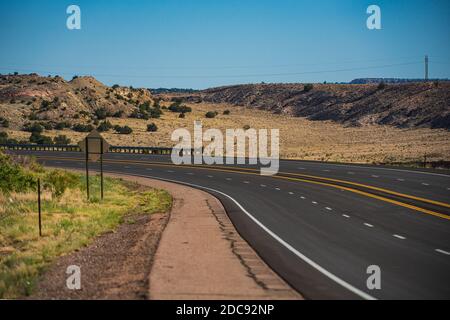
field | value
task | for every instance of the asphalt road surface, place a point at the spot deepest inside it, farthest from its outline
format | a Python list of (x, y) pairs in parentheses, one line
[(321, 225)]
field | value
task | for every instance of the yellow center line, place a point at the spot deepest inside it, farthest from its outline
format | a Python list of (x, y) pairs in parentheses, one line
[(256, 172)]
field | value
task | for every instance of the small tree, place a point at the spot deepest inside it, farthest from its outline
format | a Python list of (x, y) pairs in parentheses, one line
[(152, 127), (381, 86), (101, 113), (61, 139), (226, 112), (123, 130), (211, 114), (308, 87), (104, 126)]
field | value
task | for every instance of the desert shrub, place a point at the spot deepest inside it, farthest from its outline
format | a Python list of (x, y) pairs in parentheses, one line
[(46, 125), (14, 178), (101, 113), (82, 127), (211, 114), (381, 86), (176, 107), (57, 181), (35, 127), (38, 138), (4, 122), (45, 105), (123, 130), (61, 125), (182, 115), (308, 87), (61, 139), (118, 114), (226, 112), (152, 127), (246, 127), (104, 126)]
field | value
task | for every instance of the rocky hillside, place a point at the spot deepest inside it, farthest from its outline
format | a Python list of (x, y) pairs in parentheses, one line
[(32, 97), (401, 105)]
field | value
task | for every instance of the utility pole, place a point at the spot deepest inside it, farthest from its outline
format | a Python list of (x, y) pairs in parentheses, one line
[(426, 67)]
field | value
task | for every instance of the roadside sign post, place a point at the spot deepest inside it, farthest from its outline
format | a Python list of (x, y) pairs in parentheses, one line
[(101, 169), (94, 146), (39, 206), (87, 167)]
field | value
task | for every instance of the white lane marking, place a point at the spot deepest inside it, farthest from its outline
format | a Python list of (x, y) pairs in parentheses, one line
[(149, 169), (209, 176), (246, 182), (326, 170), (127, 167), (170, 171), (350, 172), (229, 179), (328, 208), (190, 173), (399, 236), (425, 184), (399, 179), (375, 176), (448, 188), (278, 189), (303, 197), (263, 185), (291, 192), (346, 216), (300, 255), (314, 202), (301, 168), (442, 251), (58, 162), (368, 225)]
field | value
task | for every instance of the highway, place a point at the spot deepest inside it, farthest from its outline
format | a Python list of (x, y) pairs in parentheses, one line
[(320, 225)]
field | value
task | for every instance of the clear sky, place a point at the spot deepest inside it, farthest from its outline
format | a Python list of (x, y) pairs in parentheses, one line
[(205, 43)]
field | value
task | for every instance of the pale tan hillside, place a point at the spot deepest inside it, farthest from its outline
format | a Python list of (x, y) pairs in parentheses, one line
[(299, 137)]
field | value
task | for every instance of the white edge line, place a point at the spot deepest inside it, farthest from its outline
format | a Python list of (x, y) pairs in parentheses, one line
[(443, 251), (322, 270), (399, 236)]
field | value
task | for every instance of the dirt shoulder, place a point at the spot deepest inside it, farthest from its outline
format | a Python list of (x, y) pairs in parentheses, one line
[(199, 255)]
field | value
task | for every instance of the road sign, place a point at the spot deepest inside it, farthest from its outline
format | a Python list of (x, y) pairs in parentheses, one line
[(94, 145)]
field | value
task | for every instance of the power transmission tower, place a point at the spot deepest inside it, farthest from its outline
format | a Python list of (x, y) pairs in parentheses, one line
[(426, 68)]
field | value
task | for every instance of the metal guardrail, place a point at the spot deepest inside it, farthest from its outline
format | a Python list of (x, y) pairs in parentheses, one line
[(76, 148), (40, 147)]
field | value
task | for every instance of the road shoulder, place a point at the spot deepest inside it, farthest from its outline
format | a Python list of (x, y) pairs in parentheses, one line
[(202, 256)]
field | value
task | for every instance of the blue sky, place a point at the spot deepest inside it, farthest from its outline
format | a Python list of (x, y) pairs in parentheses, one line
[(200, 43)]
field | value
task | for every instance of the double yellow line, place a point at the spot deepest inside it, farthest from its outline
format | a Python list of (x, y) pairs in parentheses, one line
[(329, 182)]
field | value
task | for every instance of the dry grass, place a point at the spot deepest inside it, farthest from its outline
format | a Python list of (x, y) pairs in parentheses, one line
[(299, 137), (69, 222)]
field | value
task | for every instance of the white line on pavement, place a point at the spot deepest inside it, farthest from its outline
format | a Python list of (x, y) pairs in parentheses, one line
[(399, 236), (368, 225), (443, 251)]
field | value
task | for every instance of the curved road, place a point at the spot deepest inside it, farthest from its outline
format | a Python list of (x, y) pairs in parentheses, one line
[(321, 225)]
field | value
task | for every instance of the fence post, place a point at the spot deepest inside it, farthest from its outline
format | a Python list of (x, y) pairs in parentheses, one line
[(39, 206)]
